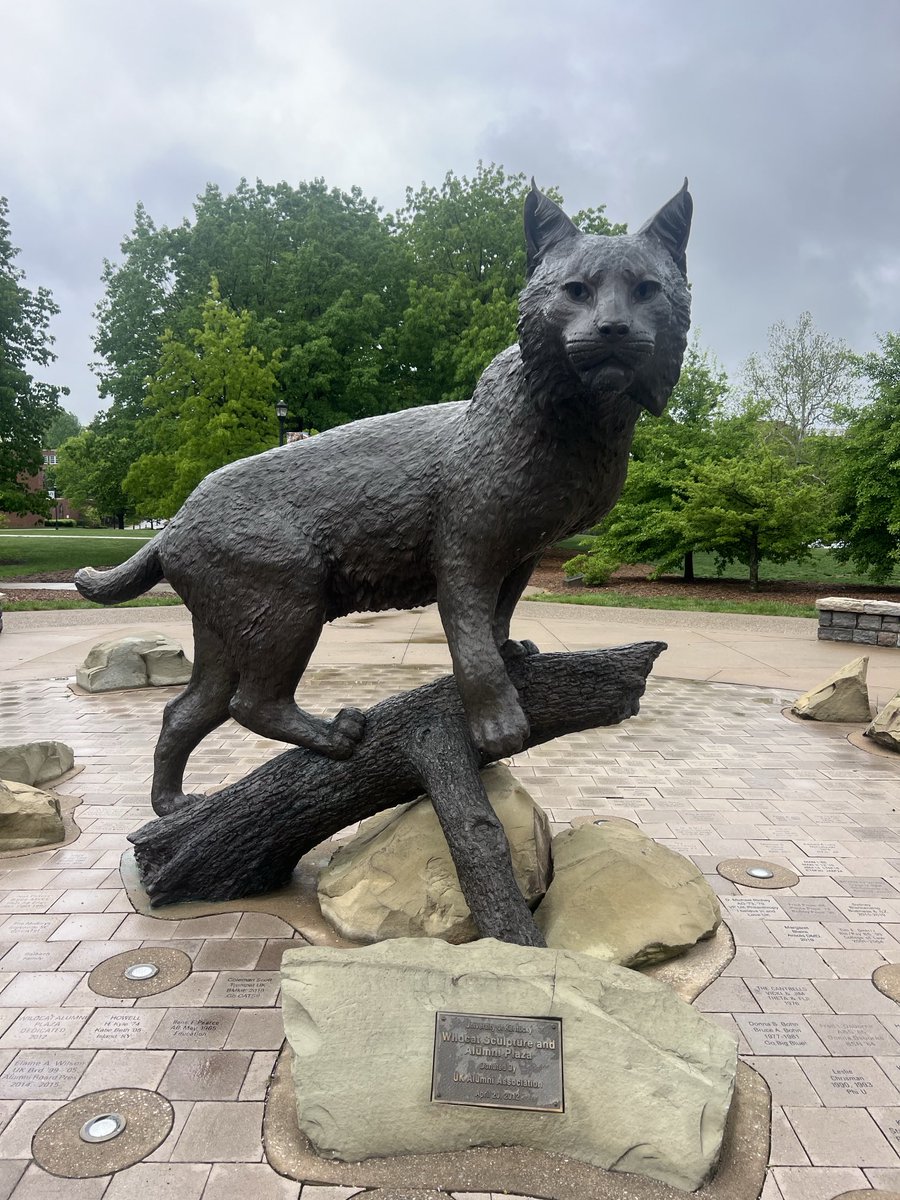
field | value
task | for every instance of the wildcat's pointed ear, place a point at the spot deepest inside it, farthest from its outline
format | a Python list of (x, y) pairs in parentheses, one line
[(672, 226), (545, 225)]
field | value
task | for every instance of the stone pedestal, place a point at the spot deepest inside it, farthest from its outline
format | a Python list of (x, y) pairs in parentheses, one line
[(396, 877), (647, 1080)]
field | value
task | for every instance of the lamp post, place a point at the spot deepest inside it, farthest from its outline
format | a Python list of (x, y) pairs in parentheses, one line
[(281, 413)]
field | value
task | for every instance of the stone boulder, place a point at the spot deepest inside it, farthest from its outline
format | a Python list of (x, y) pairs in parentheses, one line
[(35, 762), (137, 660), (842, 697), (28, 817), (396, 877), (647, 1080), (618, 895), (885, 729)]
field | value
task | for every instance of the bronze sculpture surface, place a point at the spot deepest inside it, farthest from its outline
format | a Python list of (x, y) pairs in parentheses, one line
[(452, 502)]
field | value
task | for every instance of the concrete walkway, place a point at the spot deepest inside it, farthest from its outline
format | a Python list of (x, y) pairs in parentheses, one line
[(776, 652)]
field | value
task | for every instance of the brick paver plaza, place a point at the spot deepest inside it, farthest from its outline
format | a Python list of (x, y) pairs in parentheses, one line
[(711, 768)]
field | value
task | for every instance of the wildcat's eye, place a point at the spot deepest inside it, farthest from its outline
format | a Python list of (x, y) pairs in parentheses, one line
[(578, 291), (647, 288)]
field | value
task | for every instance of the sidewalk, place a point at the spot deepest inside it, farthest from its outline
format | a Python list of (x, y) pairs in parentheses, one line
[(774, 652)]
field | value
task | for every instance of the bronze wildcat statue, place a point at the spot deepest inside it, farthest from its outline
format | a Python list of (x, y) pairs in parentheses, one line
[(451, 502)]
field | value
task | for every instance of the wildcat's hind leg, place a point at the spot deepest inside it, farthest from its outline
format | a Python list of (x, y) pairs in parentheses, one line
[(187, 719), (264, 700)]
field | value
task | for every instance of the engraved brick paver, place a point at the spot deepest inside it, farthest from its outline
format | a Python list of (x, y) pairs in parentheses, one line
[(711, 770)]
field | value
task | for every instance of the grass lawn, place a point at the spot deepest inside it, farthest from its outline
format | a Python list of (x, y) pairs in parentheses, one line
[(43, 551), (765, 608), (41, 605)]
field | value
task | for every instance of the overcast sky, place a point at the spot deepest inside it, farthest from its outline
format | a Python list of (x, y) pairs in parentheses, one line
[(785, 116)]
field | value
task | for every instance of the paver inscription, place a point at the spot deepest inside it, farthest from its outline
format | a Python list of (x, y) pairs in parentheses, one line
[(42, 1073), (761, 907)]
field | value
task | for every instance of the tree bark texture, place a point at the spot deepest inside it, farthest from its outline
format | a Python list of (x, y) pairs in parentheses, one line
[(248, 838)]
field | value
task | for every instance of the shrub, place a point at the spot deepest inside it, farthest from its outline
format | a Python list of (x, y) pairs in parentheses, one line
[(596, 567)]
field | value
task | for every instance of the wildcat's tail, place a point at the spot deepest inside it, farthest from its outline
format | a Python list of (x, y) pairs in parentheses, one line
[(131, 579)]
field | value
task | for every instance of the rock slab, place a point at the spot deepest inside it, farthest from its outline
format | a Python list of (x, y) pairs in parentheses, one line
[(648, 1080), (396, 877), (137, 660), (28, 817), (35, 763), (842, 697), (885, 729), (618, 895)]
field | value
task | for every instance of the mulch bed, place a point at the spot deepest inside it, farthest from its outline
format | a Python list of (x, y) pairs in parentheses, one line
[(627, 581), (635, 581)]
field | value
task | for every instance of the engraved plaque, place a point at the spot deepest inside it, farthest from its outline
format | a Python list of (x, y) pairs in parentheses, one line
[(498, 1062)]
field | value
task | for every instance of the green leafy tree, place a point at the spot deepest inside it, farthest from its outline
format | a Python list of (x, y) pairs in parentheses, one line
[(467, 253), (26, 405), (317, 269), (869, 481), (62, 426), (133, 314), (802, 382), (211, 401), (751, 502), (92, 466), (645, 526)]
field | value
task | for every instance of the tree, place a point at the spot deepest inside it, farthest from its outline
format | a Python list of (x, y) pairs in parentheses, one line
[(92, 466), (63, 426), (750, 501), (467, 262), (211, 402), (26, 405), (869, 482), (802, 381), (645, 525), (317, 268)]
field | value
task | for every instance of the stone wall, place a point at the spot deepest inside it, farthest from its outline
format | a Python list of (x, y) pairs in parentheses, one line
[(866, 622)]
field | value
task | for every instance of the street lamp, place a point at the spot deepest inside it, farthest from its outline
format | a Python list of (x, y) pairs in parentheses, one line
[(281, 413)]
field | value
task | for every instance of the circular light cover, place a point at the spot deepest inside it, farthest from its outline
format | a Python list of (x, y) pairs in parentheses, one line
[(141, 971), (102, 1128), (760, 873)]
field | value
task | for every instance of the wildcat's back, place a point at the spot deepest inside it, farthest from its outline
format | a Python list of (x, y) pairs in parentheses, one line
[(358, 499)]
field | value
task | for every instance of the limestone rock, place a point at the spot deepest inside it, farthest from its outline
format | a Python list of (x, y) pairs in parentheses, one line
[(35, 762), (618, 895), (28, 817), (396, 877), (842, 697), (648, 1080), (137, 660), (885, 729)]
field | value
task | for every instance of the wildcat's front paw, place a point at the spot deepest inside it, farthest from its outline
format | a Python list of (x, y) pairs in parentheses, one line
[(512, 650), (344, 732), (502, 732), (163, 805)]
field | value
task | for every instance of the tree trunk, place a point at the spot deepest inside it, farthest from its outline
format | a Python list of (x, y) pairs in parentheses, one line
[(754, 563), (689, 567), (248, 838)]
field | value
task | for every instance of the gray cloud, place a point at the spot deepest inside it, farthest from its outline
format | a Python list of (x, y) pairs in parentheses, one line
[(783, 116)]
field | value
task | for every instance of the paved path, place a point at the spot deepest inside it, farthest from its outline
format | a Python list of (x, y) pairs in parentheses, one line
[(778, 652), (710, 768)]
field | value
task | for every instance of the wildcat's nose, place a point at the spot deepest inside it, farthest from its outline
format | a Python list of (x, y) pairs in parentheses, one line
[(614, 331)]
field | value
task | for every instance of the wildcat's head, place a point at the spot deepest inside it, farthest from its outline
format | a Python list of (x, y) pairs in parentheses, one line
[(611, 313)]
